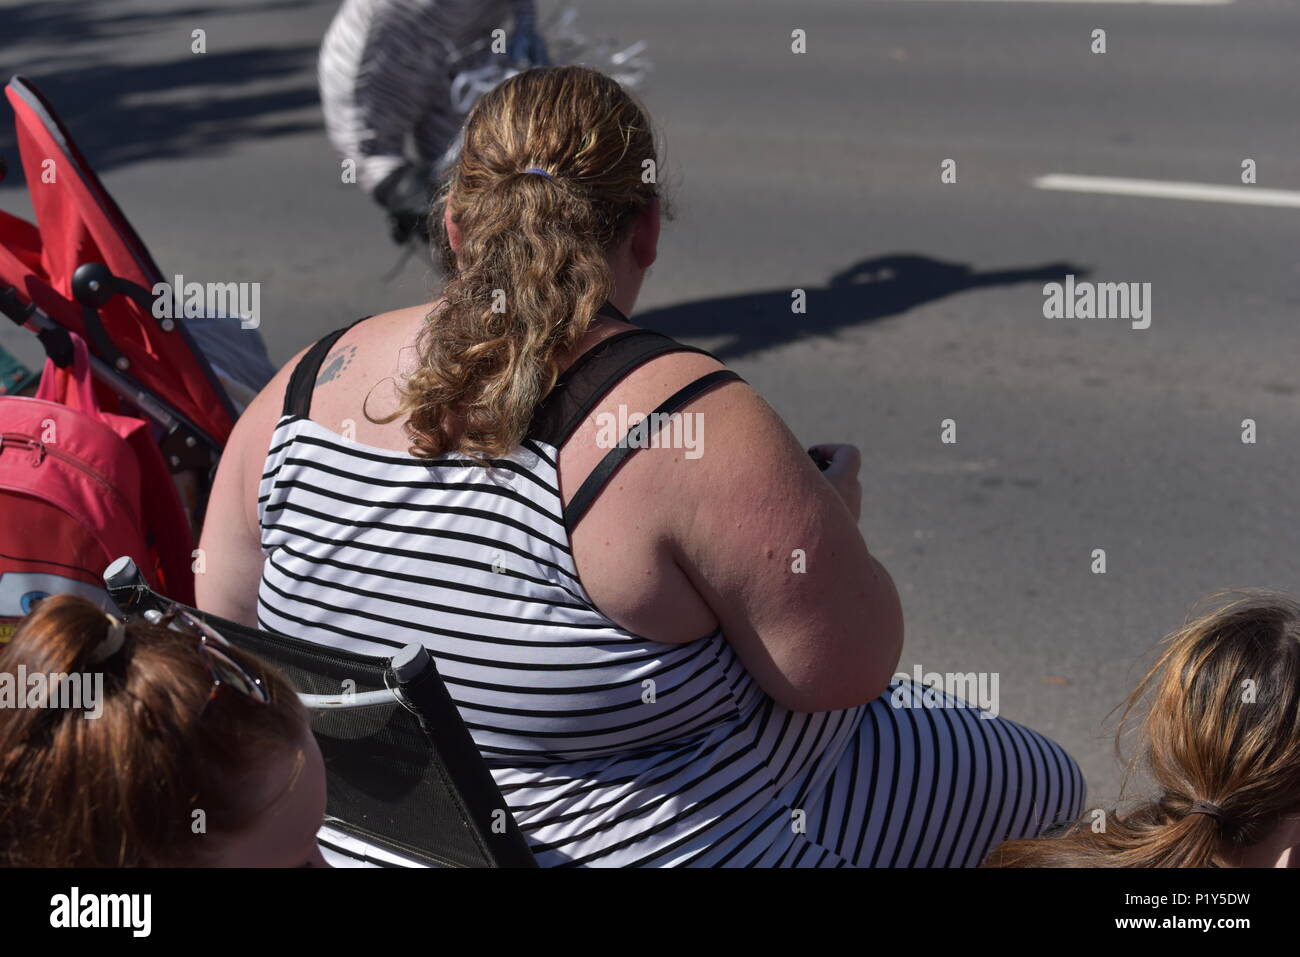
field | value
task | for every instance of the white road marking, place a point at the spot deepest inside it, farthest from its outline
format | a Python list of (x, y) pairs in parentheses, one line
[(1161, 189)]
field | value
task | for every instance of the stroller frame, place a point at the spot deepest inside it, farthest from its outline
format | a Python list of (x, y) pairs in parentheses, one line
[(186, 445)]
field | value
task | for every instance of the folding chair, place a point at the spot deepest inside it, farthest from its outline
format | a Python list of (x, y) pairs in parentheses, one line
[(402, 771)]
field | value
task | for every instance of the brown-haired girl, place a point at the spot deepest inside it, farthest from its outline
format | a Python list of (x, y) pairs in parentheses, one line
[(197, 755), (1222, 743)]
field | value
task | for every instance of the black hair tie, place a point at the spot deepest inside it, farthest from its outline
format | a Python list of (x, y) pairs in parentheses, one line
[(1205, 807)]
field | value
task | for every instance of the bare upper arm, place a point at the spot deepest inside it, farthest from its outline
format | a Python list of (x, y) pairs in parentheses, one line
[(231, 544), (743, 533), (232, 538), (775, 553)]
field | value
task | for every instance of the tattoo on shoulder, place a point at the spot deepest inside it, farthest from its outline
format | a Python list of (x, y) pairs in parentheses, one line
[(335, 363)]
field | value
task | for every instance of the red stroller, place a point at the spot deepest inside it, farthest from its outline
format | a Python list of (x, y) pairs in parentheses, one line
[(115, 453)]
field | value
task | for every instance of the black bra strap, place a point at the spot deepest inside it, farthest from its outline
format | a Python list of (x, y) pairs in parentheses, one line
[(590, 378), (637, 437), (297, 397)]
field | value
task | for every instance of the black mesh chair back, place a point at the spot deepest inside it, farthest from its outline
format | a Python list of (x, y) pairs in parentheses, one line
[(402, 771)]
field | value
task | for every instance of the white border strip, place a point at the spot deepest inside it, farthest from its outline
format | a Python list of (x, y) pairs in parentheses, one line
[(1155, 3)]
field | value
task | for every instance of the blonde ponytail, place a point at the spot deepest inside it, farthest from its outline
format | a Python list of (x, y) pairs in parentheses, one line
[(550, 177)]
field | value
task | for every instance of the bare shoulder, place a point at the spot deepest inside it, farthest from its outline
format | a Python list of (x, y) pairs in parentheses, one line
[(367, 352), (389, 329), (636, 395), (379, 346), (726, 470), (726, 453)]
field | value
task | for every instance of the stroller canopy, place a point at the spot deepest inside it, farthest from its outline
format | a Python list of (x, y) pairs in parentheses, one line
[(79, 224)]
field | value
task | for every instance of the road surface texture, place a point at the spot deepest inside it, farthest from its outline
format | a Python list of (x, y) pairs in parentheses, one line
[(821, 171)]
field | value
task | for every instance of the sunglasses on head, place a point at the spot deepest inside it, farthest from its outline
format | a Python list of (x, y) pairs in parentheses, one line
[(218, 655)]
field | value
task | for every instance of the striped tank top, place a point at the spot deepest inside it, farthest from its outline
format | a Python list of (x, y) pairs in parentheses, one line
[(610, 749)]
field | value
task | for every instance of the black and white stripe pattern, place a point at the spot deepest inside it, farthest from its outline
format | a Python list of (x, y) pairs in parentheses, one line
[(385, 74), (613, 750)]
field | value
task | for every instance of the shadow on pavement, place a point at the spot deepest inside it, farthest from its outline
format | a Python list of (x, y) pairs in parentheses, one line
[(121, 113), (869, 290)]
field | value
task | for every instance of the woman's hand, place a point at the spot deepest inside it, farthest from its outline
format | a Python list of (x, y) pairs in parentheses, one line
[(842, 473)]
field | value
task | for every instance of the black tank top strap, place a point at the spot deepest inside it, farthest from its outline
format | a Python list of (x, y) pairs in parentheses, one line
[(638, 436), (592, 375), (297, 397)]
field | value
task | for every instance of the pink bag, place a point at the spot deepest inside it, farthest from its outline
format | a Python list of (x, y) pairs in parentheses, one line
[(80, 487)]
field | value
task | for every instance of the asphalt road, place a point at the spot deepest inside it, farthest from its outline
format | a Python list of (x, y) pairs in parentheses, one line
[(821, 171)]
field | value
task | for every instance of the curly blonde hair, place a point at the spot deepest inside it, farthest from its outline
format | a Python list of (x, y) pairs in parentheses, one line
[(530, 271)]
